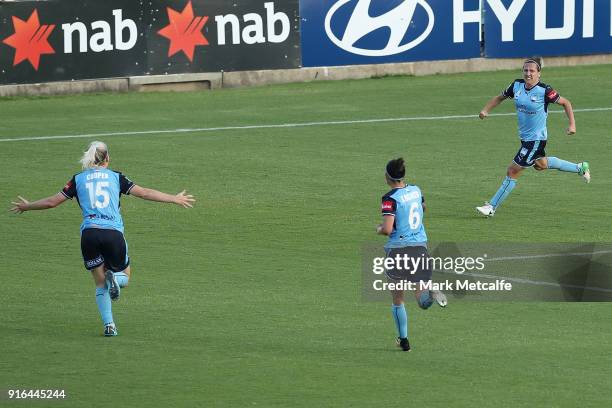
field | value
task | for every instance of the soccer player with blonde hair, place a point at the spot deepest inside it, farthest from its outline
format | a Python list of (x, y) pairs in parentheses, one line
[(105, 254)]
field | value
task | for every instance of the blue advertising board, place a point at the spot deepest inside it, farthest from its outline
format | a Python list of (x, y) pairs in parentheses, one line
[(350, 32), (519, 28)]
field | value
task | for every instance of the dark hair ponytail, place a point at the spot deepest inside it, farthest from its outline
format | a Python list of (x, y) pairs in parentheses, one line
[(396, 169)]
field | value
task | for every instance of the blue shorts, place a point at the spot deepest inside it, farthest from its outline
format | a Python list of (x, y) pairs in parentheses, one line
[(530, 152)]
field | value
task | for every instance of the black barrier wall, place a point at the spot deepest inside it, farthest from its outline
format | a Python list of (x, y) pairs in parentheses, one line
[(58, 40)]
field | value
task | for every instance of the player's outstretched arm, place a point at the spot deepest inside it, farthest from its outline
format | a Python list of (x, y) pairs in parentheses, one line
[(24, 205), (182, 199), (496, 100), (569, 112)]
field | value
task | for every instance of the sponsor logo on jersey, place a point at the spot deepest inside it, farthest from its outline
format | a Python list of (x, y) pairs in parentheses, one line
[(387, 205)]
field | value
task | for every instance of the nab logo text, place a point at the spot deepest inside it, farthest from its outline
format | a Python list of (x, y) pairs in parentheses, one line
[(31, 38), (101, 40)]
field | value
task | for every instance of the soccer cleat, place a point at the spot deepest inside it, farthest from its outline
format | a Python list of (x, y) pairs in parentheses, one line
[(110, 330), (403, 344), (487, 210), (583, 167), (439, 297), (113, 287)]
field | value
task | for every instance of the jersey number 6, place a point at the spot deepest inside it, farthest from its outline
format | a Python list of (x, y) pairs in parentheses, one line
[(414, 218)]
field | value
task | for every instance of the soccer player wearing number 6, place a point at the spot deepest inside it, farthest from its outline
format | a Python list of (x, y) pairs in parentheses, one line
[(104, 249), (402, 211), (531, 98)]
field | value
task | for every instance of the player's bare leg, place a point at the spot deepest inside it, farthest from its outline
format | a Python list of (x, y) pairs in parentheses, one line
[(98, 276)]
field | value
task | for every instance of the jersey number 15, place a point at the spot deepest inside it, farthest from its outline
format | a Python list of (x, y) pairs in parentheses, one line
[(100, 190)]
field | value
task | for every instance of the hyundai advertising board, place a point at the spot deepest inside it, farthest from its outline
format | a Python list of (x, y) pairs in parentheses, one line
[(349, 32), (518, 28)]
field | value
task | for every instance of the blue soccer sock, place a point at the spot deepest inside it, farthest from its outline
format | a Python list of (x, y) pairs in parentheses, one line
[(401, 320), (504, 191), (104, 305), (122, 279), (562, 165)]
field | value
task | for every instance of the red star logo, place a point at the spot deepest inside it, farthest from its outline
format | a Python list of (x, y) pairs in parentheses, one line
[(184, 31), (30, 40)]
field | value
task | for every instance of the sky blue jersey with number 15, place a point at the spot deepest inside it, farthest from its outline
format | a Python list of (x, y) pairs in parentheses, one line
[(97, 191), (406, 204)]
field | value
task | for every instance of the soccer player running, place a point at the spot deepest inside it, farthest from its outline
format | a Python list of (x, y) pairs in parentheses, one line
[(402, 211), (97, 190), (531, 98)]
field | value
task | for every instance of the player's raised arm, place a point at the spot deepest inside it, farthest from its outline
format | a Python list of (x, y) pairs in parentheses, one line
[(183, 199), (24, 205)]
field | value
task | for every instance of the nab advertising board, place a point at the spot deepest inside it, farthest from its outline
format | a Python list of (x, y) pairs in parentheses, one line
[(54, 40), (347, 32), (219, 35), (64, 40), (518, 28)]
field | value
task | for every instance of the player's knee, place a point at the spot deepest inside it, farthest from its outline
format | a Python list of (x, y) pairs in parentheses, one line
[(98, 276), (541, 163), (398, 298), (539, 166)]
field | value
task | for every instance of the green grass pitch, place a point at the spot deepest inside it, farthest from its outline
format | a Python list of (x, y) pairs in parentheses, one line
[(253, 297)]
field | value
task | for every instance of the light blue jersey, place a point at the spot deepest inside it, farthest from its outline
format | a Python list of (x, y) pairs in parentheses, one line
[(531, 108), (97, 191), (406, 204)]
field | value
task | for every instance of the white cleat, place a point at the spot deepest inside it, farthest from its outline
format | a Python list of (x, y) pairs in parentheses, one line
[(487, 210), (440, 298), (585, 172), (113, 287)]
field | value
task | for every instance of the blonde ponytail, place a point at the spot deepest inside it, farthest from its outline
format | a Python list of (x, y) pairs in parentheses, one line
[(96, 154)]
